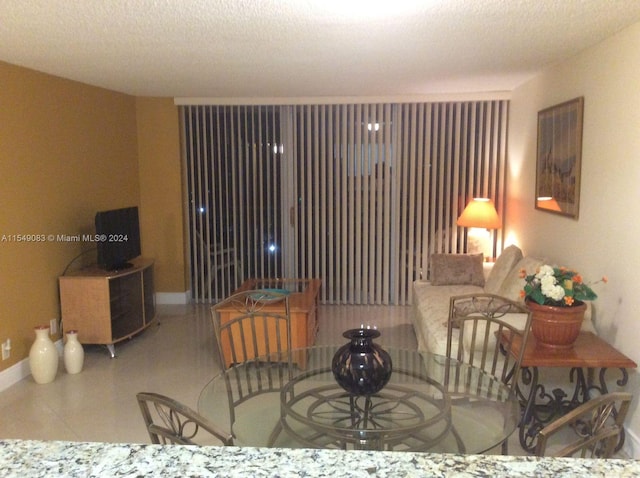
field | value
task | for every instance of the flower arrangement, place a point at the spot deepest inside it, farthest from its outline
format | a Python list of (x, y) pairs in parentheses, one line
[(556, 286)]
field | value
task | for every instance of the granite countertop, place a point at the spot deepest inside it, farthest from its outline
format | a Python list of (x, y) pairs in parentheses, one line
[(27, 458)]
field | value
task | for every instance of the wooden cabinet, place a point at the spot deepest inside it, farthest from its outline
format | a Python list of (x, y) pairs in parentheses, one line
[(106, 307)]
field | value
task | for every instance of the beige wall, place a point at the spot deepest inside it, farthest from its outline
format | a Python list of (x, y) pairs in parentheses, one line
[(66, 151), (603, 240), (161, 201)]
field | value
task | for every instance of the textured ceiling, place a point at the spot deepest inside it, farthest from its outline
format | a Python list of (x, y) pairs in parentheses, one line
[(301, 48)]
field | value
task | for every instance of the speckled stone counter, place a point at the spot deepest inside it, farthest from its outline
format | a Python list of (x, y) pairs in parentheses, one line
[(49, 459)]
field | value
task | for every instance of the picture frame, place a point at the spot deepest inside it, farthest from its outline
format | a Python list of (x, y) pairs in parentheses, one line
[(559, 158)]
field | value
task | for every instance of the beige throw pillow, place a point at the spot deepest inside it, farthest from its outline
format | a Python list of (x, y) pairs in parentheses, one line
[(504, 264), (457, 269), (514, 283)]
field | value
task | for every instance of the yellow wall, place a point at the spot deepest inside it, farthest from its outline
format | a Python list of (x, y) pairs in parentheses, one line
[(161, 201), (67, 150)]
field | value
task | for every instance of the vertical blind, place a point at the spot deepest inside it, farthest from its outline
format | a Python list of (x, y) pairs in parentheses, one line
[(359, 195), (233, 174)]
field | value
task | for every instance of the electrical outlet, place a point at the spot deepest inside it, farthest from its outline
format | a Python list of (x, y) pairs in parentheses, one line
[(53, 326), (6, 349)]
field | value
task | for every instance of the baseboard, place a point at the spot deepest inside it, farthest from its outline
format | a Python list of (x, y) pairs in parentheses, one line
[(173, 297), (21, 370), (631, 444), (14, 374)]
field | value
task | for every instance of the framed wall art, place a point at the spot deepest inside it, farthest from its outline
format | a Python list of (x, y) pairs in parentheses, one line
[(559, 158)]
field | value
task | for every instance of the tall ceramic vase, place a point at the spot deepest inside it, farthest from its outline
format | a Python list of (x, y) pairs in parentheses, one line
[(73, 353), (43, 356)]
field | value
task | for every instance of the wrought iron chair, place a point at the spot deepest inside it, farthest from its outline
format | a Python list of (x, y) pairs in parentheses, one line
[(253, 328), (486, 326), (597, 426), (253, 324), (171, 422)]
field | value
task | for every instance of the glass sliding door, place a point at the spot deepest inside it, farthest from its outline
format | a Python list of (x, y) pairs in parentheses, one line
[(358, 195), (233, 158)]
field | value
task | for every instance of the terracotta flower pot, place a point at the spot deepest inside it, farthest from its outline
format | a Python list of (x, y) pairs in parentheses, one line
[(556, 327)]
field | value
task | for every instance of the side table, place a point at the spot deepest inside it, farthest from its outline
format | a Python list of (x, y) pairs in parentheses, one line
[(589, 354)]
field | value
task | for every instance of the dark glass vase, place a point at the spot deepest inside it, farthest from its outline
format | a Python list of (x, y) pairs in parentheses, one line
[(360, 366)]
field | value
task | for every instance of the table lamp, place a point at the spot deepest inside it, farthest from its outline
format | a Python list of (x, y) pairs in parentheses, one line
[(480, 216)]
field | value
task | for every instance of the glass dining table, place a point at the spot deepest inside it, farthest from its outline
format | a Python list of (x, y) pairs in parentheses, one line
[(431, 403)]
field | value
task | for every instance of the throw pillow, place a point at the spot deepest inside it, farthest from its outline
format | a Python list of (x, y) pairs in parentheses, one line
[(457, 269), (514, 283), (503, 265)]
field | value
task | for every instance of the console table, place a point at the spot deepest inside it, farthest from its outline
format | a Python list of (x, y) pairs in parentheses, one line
[(589, 354)]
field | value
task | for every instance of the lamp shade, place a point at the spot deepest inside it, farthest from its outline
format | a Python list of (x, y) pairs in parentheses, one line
[(480, 212)]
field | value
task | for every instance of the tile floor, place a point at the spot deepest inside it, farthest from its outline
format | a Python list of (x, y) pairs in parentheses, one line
[(176, 358)]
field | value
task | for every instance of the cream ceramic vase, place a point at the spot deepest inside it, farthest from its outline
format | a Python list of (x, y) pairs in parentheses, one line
[(43, 356), (73, 353)]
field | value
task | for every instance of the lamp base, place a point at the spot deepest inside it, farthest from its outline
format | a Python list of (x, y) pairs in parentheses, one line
[(479, 242)]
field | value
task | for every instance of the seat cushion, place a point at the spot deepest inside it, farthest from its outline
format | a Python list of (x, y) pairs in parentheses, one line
[(431, 313)]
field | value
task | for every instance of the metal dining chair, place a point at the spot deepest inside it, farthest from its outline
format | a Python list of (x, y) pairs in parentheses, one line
[(594, 429), (170, 422), (253, 328), (252, 324), (486, 326)]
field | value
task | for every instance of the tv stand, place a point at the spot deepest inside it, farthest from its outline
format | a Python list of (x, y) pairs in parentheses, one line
[(106, 307), (120, 267)]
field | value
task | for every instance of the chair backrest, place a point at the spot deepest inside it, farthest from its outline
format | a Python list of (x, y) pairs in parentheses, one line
[(170, 422), (252, 324), (486, 326), (593, 429), (253, 330)]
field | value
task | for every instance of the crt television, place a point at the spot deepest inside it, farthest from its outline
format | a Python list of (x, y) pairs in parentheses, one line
[(117, 237)]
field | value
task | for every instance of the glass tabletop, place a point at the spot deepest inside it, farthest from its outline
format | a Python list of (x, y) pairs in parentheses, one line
[(431, 403)]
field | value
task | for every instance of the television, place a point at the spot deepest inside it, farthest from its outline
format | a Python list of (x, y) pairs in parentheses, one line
[(117, 237)]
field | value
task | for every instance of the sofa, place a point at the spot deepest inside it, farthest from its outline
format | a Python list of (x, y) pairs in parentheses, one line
[(458, 274)]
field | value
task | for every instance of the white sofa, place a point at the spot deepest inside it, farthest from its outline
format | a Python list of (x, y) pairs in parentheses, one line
[(457, 274)]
